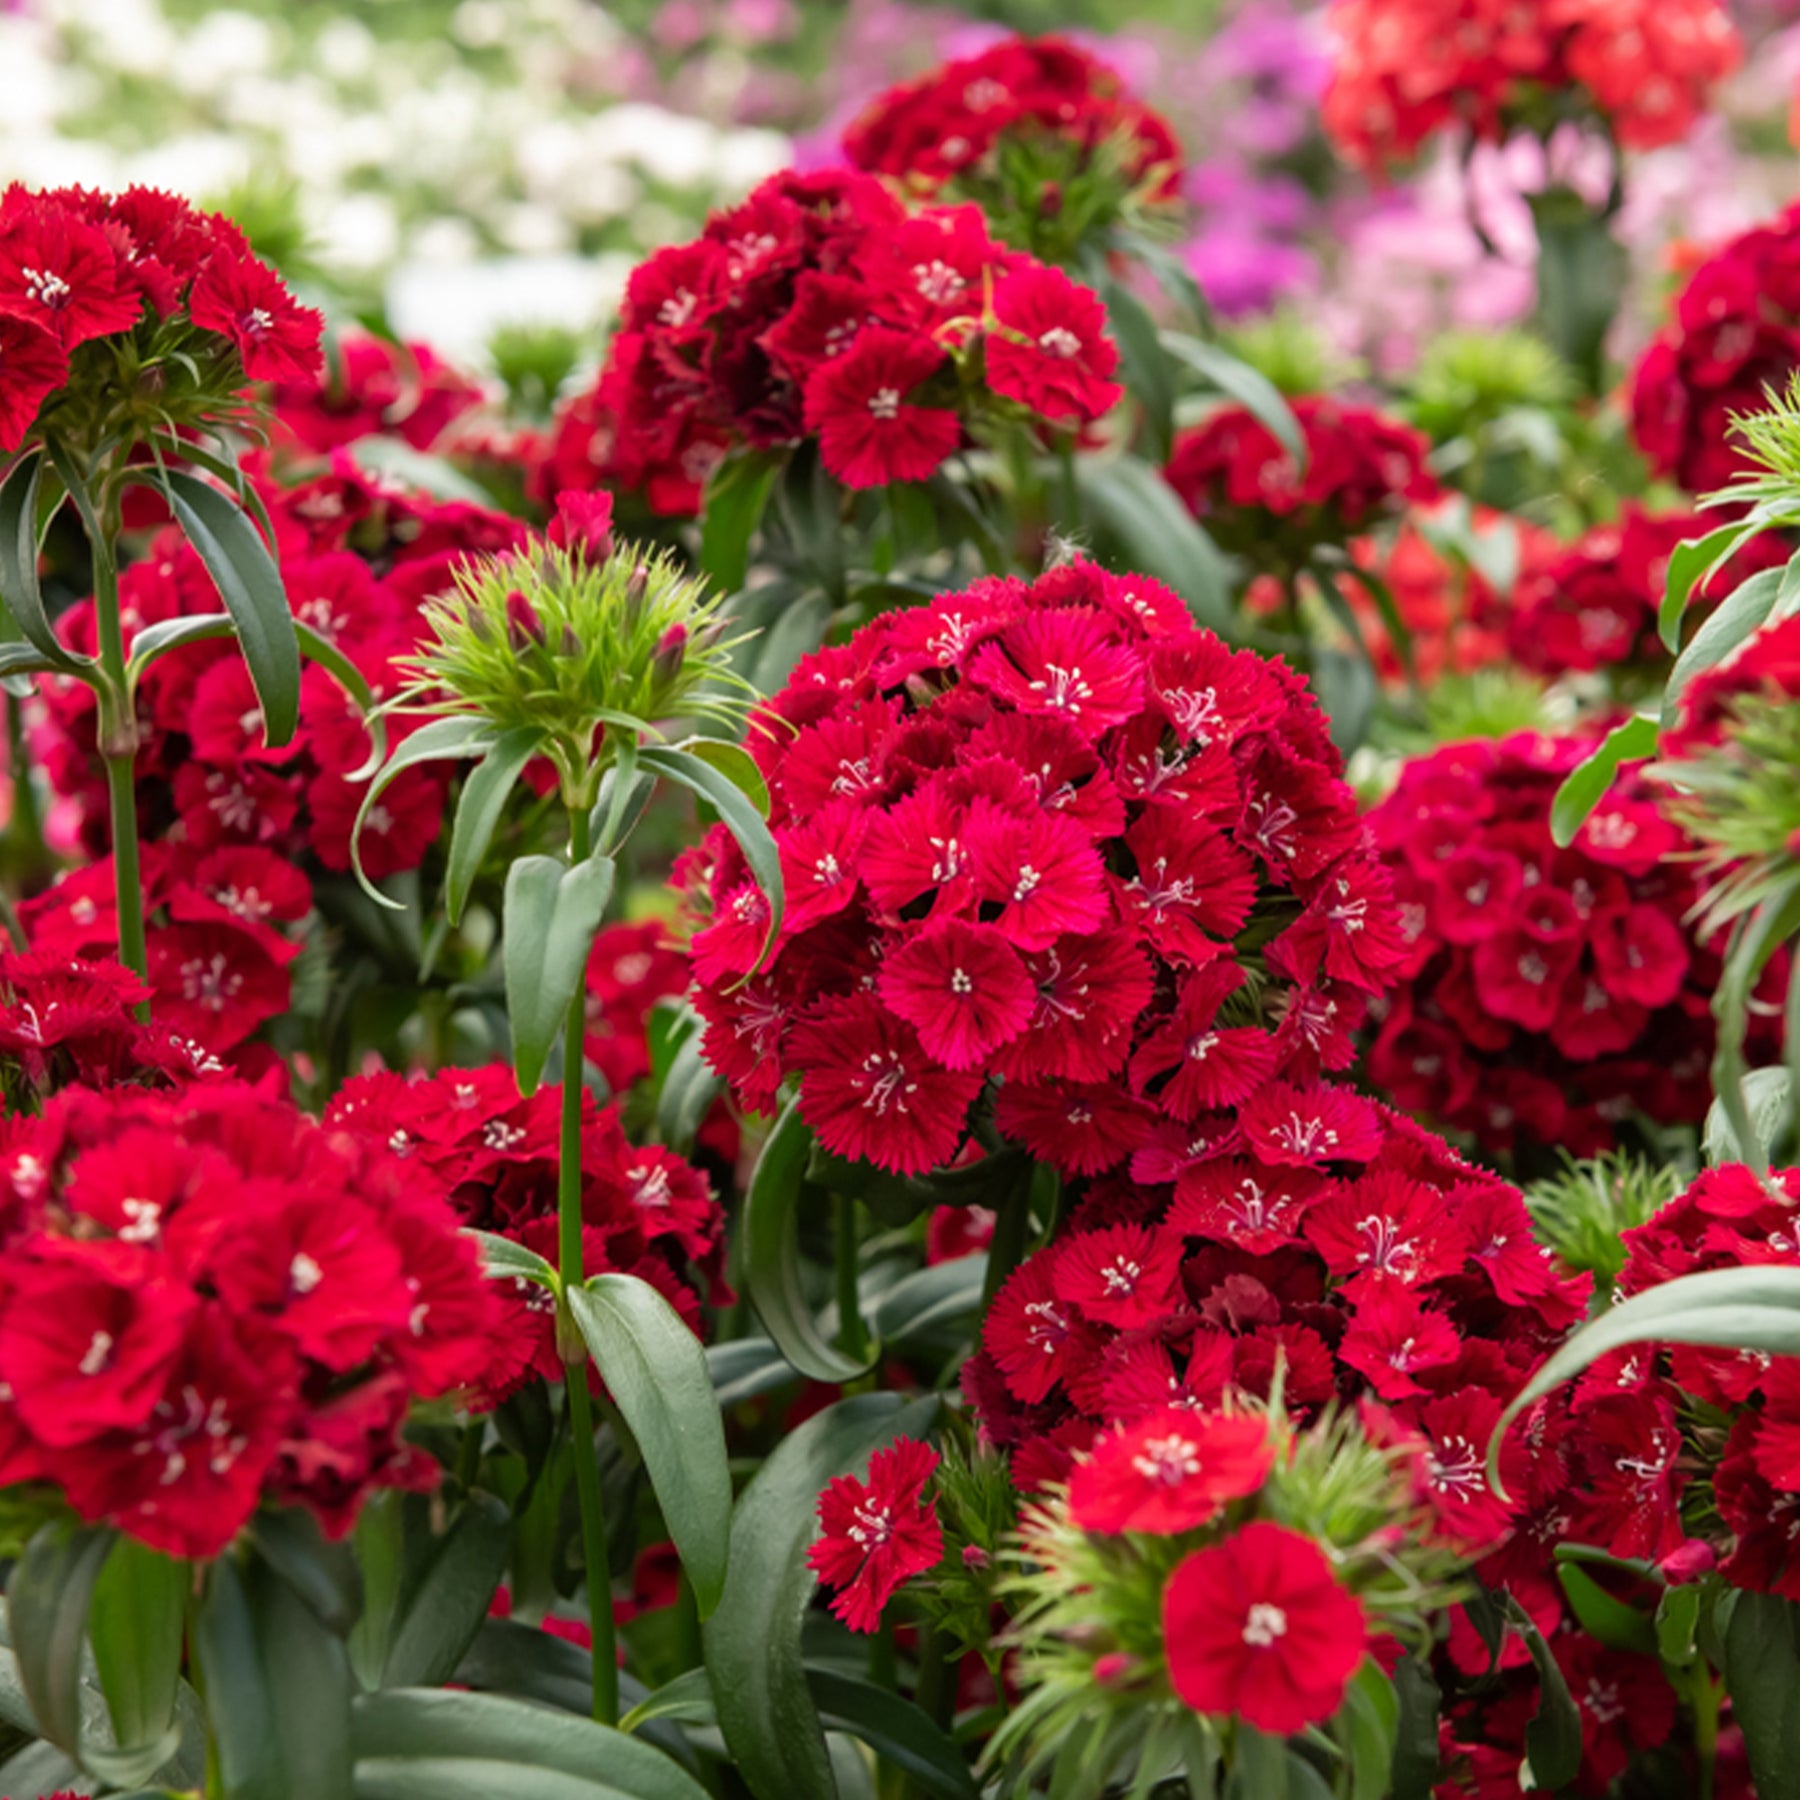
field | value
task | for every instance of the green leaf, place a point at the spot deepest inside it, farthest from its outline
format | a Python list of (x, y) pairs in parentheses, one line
[(899, 1732), (551, 916), (744, 1368), (766, 1710), (1742, 613), (528, 1751), (446, 1604), (19, 590), (171, 634), (239, 1703), (736, 764), (443, 740), (1250, 388), (771, 1250), (1750, 1309), (1586, 784), (48, 1596), (1677, 1621), (740, 815), (505, 1260), (1145, 361), (250, 585), (1259, 1769), (737, 493), (394, 459), (687, 1700), (1347, 689), (306, 1669), (18, 663), (1159, 536), (1415, 1768), (323, 1574), (655, 1369), (528, 1663), (1762, 1676), (1553, 1738), (1690, 563), (135, 1626), (688, 1087), (485, 791), (1604, 1617), (1371, 1721), (946, 1294), (1581, 271)]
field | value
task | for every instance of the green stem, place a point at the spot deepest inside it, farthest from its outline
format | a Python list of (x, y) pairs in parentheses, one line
[(575, 1356), (935, 1694), (118, 749), (851, 1332), (1012, 1227), (1706, 1727)]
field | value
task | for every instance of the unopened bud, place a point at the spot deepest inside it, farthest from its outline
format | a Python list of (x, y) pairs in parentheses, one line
[(583, 524), (524, 628), (974, 1557), (637, 585), (571, 644), (1114, 1669), (1688, 1561), (1050, 199), (671, 650)]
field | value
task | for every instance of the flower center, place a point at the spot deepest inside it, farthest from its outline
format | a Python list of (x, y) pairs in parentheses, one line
[(1059, 340), (884, 403), (304, 1274), (45, 286), (1263, 1624), (1170, 1460)]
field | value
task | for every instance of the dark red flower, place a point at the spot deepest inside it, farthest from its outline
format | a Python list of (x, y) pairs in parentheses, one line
[(1050, 351), (246, 301), (875, 1535), (870, 431)]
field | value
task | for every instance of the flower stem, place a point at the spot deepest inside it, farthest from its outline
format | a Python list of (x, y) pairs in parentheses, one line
[(851, 1332), (581, 1405), (118, 749), (1012, 1227)]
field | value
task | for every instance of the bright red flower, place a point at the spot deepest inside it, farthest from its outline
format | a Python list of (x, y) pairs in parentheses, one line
[(875, 1535), (1169, 1471), (1051, 352), (1120, 1275), (1258, 1628), (33, 365), (962, 987), (870, 430), (60, 272), (246, 301)]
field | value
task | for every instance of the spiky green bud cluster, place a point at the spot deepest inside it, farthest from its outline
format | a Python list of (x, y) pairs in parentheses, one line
[(579, 650), (1472, 378), (1582, 1211)]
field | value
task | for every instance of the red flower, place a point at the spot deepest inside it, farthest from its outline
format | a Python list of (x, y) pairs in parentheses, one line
[(1121, 1275), (962, 987), (246, 301), (33, 365), (1169, 1471), (1258, 1628), (870, 432), (875, 1535), (59, 272), (1051, 352)]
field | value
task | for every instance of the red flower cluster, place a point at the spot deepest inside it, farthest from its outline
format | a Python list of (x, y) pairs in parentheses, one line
[(818, 307), (373, 387), (76, 266), (1022, 830), (1734, 336), (1322, 1234), (949, 125), (358, 559), (1546, 994), (1594, 606), (1241, 483), (630, 968), (1258, 1627), (644, 1212), (210, 1300), (221, 938), (1407, 69), (876, 1535)]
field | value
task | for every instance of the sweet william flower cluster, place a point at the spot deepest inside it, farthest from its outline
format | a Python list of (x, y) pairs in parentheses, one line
[(820, 308), (212, 1300), (1050, 849)]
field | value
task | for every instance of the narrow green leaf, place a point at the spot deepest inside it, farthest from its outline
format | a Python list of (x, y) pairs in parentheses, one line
[(947, 1294), (744, 1368), (443, 740), (1553, 1738), (476, 1778), (403, 1727), (771, 1250), (736, 764), (737, 494), (306, 1669), (550, 918), (526, 1662), (1762, 1676), (1159, 536), (323, 1574), (171, 634), (19, 590), (1742, 613), (239, 1704), (486, 789), (1677, 1620), (766, 1709), (505, 1260), (446, 1605), (1415, 1769), (1689, 564), (1259, 1769), (48, 1596), (1585, 786), (687, 1700), (250, 585), (655, 1369), (740, 815), (1144, 359), (897, 1731), (1371, 1719), (1604, 1617), (688, 1088), (135, 1626), (1250, 388)]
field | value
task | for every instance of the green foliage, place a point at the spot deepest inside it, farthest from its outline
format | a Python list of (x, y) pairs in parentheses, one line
[(1581, 1210), (1289, 352)]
